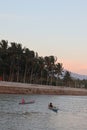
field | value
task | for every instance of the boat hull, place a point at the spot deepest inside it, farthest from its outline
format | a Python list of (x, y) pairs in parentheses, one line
[(30, 102), (55, 109)]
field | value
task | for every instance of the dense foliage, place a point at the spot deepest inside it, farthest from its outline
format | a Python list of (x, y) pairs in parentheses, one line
[(23, 65), (18, 64)]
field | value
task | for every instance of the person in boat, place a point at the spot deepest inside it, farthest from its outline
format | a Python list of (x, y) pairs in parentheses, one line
[(50, 105), (23, 101)]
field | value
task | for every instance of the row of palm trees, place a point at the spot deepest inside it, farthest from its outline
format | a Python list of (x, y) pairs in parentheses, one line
[(18, 64), (23, 65)]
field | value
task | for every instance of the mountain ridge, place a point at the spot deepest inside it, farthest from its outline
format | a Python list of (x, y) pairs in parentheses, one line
[(76, 75)]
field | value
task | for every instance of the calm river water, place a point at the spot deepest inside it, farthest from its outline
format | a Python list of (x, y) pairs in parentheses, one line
[(72, 114)]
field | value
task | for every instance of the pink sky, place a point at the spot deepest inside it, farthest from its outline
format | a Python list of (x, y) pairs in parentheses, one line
[(76, 67), (49, 27)]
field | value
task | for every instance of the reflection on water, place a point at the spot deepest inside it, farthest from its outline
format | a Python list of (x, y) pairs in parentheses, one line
[(72, 114)]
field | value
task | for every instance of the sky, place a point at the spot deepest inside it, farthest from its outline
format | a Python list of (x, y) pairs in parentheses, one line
[(49, 27)]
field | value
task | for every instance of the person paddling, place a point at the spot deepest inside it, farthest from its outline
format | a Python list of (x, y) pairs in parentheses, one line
[(23, 101), (51, 105)]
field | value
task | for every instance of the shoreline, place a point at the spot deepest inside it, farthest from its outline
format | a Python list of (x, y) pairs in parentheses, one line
[(24, 88)]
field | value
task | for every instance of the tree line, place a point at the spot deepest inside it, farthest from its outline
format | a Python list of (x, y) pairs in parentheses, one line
[(20, 64)]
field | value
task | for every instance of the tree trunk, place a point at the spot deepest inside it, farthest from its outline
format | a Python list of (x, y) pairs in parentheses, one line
[(25, 74)]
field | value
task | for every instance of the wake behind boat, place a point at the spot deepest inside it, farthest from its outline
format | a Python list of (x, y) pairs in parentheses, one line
[(29, 102)]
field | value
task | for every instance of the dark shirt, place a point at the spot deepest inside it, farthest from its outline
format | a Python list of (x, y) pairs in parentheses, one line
[(50, 105)]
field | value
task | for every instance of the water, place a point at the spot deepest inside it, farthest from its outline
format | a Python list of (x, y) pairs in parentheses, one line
[(72, 114)]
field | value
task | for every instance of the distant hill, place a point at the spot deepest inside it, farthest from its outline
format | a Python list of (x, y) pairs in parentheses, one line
[(76, 76)]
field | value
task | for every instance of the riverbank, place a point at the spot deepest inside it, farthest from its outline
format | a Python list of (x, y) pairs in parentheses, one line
[(24, 88)]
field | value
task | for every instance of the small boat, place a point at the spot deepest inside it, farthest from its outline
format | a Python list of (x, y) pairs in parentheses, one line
[(55, 109), (30, 102)]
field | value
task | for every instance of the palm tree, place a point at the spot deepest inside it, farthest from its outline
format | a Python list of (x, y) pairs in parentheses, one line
[(29, 56), (4, 57), (41, 66), (49, 65), (32, 63), (67, 78), (19, 55), (58, 71), (12, 55)]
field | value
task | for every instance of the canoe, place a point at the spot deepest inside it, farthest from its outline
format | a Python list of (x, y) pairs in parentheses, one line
[(30, 102), (55, 109)]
